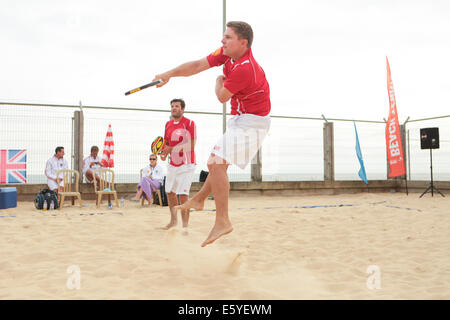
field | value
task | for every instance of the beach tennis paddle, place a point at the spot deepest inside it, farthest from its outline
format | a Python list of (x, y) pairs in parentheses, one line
[(151, 84), (157, 144)]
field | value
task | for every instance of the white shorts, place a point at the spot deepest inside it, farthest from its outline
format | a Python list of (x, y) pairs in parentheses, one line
[(86, 178), (241, 141), (52, 185), (179, 179)]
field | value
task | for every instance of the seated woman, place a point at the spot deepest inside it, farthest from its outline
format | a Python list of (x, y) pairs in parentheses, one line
[(152, 178)]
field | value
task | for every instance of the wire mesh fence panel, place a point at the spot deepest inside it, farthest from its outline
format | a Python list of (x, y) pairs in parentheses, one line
[(373, 148), (134, 132), (419, 160), (39, 130), (293, 151)]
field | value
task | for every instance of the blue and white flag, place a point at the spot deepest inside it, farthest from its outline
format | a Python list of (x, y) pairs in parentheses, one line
[(362, 171)]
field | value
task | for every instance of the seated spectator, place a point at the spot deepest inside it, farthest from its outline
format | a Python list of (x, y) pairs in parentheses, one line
[(151, 180), (91, 163), (55, 163)]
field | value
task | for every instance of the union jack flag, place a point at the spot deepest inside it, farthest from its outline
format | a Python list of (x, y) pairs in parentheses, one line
[(13, 166)]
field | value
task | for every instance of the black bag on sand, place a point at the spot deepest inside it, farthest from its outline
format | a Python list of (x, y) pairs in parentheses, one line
[(46, 195)]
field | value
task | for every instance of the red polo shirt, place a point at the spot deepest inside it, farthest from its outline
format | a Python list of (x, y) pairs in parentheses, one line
[(183, 132), (246, 80)]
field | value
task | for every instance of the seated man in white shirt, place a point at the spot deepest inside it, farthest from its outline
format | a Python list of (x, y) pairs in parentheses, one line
[(91, 163), (152, 179), (55, 163)]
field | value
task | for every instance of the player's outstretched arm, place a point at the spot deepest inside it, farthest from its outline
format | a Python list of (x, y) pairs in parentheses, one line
[(185, 70)]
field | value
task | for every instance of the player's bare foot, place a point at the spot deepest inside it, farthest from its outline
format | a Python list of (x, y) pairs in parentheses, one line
[(191, 204), (170, 225), (217, 232)]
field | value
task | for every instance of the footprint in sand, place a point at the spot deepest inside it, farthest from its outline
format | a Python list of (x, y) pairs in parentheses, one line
[(172, 234), (438, 290), (236, 262)]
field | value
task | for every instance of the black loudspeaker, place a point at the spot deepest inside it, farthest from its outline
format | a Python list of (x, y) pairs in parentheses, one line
[(429, 138)]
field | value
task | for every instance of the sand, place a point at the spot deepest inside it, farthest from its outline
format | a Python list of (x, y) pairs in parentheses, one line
[(278, 250)]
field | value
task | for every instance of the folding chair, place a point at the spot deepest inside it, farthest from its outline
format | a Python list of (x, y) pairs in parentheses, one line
[(70, 178), (106, 182)]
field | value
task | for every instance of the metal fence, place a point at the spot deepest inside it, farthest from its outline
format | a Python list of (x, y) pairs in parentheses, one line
[(292, 151)]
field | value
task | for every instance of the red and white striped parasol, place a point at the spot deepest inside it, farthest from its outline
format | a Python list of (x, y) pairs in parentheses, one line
[(108, 150)]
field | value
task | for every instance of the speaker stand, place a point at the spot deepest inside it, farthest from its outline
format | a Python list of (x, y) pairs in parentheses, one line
[(431, 188)]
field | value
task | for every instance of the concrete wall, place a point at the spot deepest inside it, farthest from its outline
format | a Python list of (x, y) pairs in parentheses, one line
[(27, 192)]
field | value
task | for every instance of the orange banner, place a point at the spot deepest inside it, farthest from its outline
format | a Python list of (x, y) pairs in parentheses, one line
[(393, 135)]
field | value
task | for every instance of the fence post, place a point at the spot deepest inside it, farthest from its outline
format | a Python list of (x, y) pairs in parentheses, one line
[(408, 155), (405, 155), (78, 142), (256, 172), (328, 151)]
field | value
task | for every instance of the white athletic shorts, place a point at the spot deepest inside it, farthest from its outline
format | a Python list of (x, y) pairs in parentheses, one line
[(179, 179), (52, 185), (241, 141), (86, 178)]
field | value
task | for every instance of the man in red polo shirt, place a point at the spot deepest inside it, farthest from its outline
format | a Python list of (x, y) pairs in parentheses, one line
[(244, 82), (180, 136)]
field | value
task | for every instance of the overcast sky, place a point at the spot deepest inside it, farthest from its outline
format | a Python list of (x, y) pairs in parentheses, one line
[(320, 57)]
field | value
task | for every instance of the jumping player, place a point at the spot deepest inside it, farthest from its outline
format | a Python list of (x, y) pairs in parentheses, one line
[(244, 82)]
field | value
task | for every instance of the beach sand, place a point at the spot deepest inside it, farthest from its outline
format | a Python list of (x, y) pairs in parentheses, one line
[(302, 247)]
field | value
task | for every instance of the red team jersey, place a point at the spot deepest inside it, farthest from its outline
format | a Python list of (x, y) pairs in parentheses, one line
[(183, 132), (246, 80)]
